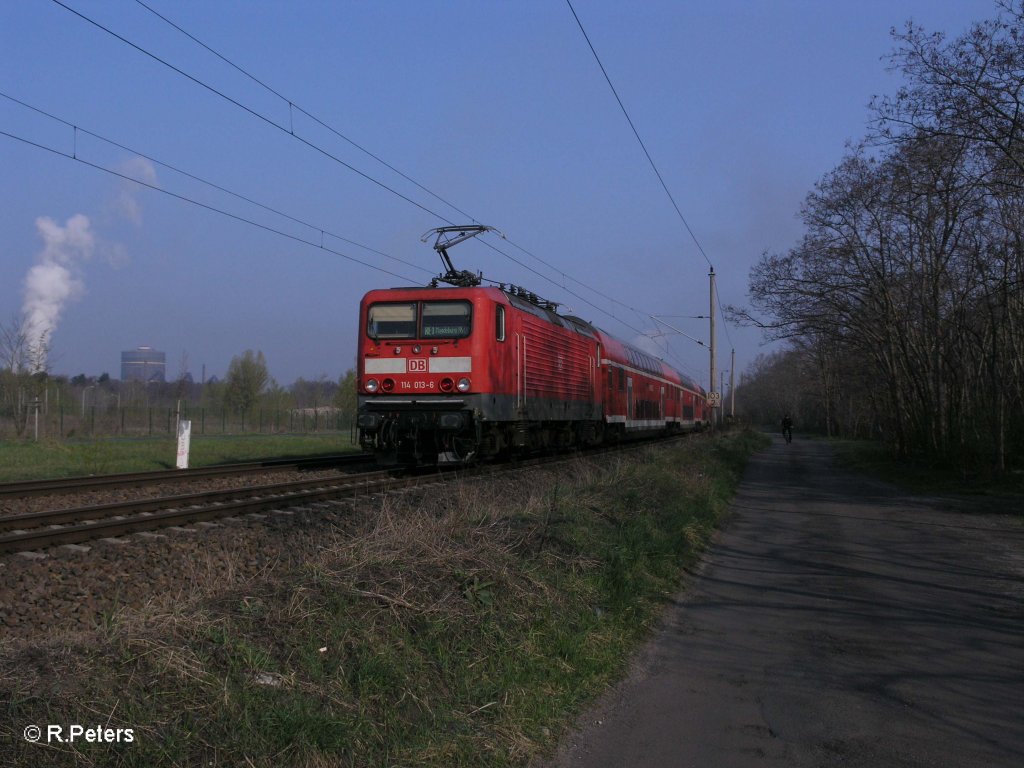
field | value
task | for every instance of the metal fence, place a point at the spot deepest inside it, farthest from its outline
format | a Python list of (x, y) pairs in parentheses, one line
[(143, 421)]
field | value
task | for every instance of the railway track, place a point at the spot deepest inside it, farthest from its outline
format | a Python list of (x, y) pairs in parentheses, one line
[(40, 530), (69, 485), (46, 529)]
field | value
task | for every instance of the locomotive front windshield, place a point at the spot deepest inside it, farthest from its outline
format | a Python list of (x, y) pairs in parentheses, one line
[(446, 319), (424, 320), (392, 321)]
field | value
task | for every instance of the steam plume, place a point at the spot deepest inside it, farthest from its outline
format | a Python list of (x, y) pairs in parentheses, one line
[(54, 280), (126, 202)]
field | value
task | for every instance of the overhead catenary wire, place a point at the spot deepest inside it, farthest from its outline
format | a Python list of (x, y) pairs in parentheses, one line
[(636, 133), (75, 156), (292, 105), (220, 188), (250, 110), (290, 131), (200, 204), (647, 154)]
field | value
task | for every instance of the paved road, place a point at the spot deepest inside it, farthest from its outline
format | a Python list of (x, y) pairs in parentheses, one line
[(835, 622)]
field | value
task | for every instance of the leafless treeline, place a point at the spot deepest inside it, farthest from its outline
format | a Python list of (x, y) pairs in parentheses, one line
[(905, 299)]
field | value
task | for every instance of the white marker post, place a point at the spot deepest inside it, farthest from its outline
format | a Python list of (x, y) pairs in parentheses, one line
[(184, 440)]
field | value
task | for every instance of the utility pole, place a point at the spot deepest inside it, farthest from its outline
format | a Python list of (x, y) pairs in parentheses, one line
[(721, 393), (711, 315), (732, 385)]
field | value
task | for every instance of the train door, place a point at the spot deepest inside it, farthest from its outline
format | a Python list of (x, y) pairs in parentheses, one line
[(661, 413), (629, 399)]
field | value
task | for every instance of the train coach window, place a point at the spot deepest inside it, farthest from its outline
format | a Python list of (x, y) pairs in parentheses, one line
[(392, 321), (446, 319)]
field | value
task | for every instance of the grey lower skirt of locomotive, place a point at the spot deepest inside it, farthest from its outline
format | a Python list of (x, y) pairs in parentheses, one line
[(427, 431)]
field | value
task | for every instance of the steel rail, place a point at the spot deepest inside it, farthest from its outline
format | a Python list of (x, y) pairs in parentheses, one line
[(157, 503), (150, 514), (127, 479)]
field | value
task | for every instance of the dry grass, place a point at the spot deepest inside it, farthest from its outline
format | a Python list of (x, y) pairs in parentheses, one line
[(460, 624)]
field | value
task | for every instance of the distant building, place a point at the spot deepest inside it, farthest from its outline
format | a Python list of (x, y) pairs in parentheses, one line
[(143, 364)]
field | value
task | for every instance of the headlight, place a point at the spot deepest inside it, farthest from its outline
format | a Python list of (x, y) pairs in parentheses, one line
[(387, 385), (371, 385), (447, 384), (463, 385)]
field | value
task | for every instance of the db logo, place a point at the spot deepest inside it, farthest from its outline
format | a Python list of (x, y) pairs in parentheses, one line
[(417, 366)]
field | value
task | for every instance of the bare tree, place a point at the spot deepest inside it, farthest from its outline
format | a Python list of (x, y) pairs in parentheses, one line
[(969, 88), (911, 270), (24, 370), (14, 342)]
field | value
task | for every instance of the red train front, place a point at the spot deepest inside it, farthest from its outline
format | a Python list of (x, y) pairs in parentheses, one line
[(456, 373)]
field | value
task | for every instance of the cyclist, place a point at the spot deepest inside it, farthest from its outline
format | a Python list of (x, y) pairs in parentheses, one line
[(787, 428)]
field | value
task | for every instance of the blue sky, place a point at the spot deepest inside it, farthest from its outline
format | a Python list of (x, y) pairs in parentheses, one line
[(496, 107)]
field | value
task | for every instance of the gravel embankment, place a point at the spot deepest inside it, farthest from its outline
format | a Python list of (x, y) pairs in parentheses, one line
[(78, 587)]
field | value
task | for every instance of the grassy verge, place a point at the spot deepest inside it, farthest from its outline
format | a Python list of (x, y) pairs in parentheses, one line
[(26, 460), (457, 625)]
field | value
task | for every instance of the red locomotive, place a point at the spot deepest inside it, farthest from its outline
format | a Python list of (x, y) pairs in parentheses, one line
[(463, 372)]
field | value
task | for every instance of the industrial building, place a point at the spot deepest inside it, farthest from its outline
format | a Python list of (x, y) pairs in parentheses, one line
[(144, 364)]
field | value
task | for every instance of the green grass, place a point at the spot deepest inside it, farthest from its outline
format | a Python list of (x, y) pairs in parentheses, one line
[(27, 460), (465, 627)]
